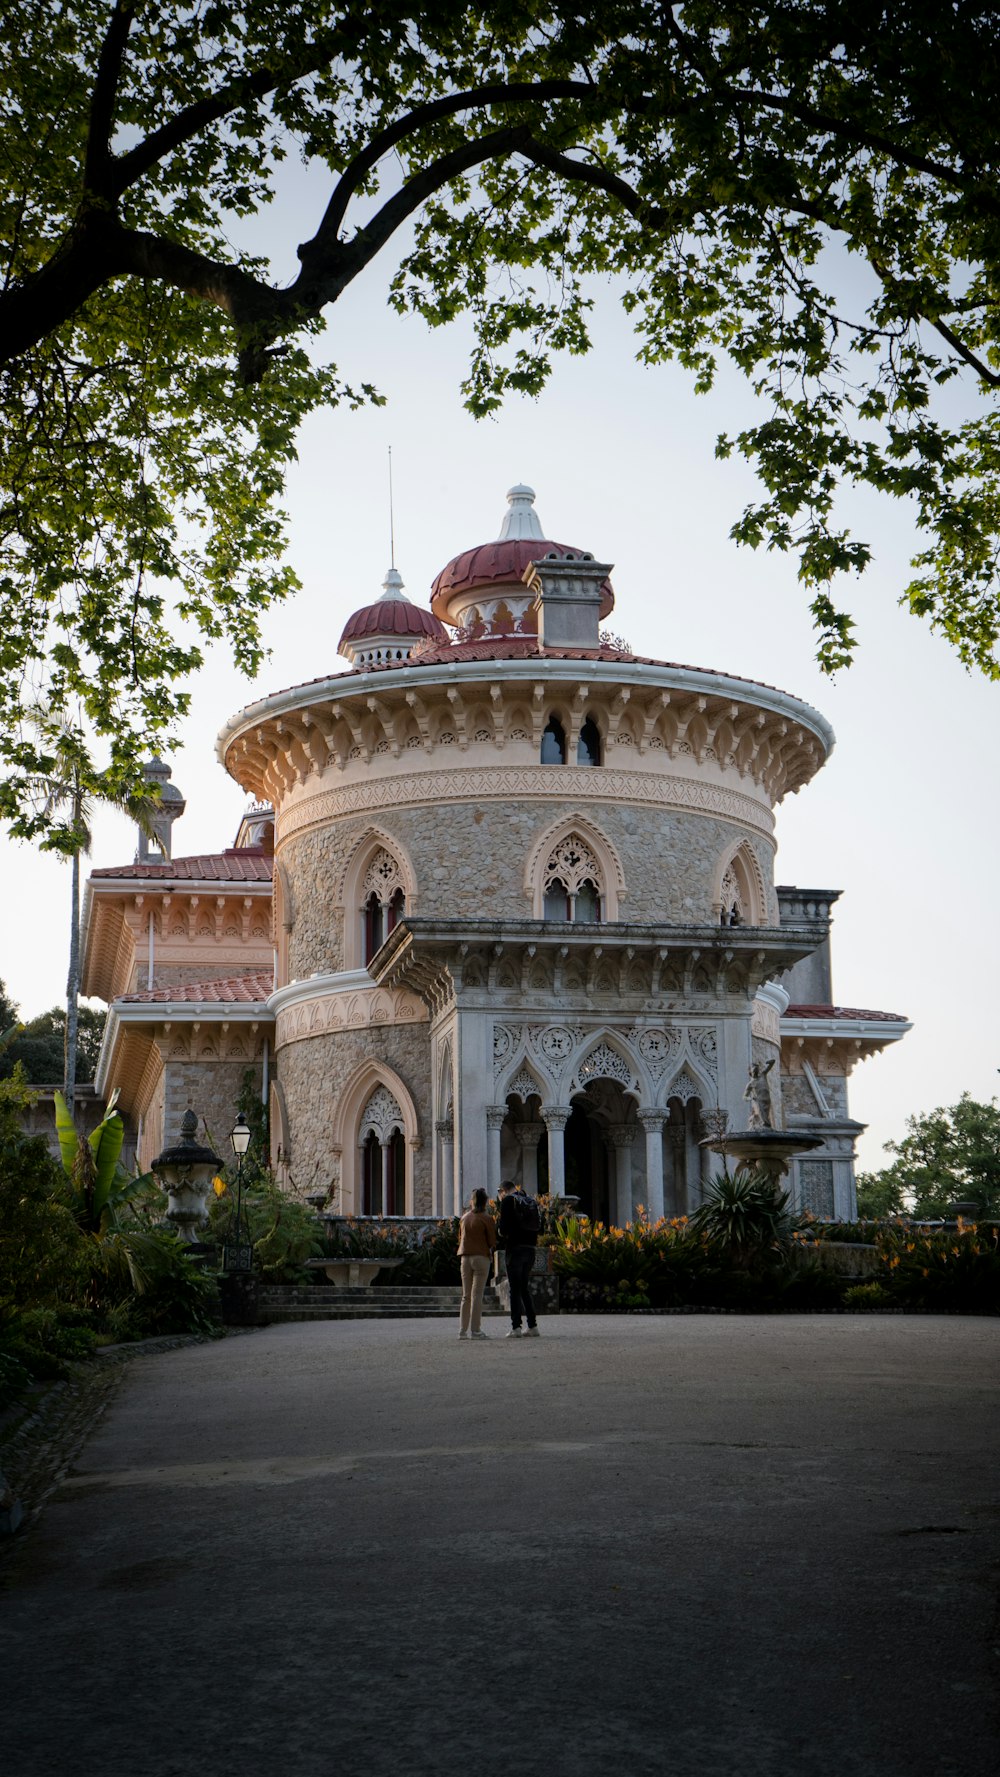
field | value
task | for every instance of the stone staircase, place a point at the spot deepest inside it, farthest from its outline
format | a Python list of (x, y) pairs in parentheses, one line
[(286, 1302)]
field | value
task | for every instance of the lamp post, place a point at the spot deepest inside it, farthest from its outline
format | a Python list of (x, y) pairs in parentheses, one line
[(186, 1171), (237, 1254)]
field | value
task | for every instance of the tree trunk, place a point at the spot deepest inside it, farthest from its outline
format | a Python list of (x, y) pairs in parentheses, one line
[(72, 990)]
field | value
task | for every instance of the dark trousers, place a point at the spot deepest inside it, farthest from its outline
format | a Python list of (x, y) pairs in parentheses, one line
[(520, 1260)]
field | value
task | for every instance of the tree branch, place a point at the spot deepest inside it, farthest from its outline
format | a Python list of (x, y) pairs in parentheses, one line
[(496, 93), (197, 116), (957, 345), (104, 99)]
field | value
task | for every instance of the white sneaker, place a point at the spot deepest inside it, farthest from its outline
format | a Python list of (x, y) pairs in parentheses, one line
[(532, 1333), (463, 1335), (515, 1333), (480, 1335)]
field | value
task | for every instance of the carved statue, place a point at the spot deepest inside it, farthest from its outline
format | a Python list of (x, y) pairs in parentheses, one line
[(758, 1119)]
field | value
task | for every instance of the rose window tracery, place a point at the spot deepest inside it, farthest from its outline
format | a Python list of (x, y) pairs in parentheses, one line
[(383, 900), (571, 885), (382, 1117), (733, 911)]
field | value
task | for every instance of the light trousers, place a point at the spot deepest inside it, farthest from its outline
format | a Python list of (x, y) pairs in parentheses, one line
[(475, 1271)]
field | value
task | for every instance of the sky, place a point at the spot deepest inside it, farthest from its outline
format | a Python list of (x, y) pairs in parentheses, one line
[(903, 817)]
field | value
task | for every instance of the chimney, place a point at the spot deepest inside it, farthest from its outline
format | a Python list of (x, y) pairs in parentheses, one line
[(172, 806), (567, 599)]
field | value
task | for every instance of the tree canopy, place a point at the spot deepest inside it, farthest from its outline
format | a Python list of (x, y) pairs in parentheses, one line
[(948, 1155), (40, 1043), (808, 188)]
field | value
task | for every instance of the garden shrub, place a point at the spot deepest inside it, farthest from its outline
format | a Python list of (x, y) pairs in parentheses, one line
[(284, 1231), (867, 1296), (429, 1251), (947, 1270)]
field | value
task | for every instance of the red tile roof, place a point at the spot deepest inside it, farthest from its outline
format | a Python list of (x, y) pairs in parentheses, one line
[(391, 617), (844, 1012), (501, 563), (248, 864), (236, 990)]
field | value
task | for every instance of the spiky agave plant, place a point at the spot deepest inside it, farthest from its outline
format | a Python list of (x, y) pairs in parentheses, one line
[(745, 1216)]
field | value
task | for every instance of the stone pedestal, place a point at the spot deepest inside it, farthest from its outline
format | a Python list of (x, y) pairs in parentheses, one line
[(239, 1293)]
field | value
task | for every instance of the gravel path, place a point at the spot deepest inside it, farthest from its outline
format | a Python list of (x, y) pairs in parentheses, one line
[(717, 1547)]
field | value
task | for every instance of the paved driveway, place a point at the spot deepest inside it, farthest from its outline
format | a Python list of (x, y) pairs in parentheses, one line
[(715, 1546)]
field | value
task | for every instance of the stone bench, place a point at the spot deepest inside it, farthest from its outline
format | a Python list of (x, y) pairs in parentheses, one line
[(349, 1270)]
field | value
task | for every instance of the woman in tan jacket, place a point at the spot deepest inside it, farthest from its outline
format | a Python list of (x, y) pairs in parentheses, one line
[(477, 1242)]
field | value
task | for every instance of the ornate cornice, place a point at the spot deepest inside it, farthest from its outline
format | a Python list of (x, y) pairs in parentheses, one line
[(364, 724), (514, 962), (564, 783)]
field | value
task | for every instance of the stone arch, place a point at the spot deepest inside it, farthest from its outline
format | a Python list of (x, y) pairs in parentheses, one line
[(739, 881), (612, 885), (353, 1118), (523, 1081), (687, 1082), (446, 1082), (606, 1058), (350, 897)]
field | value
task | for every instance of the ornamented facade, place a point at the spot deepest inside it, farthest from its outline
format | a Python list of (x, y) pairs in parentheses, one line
[(504, 905)]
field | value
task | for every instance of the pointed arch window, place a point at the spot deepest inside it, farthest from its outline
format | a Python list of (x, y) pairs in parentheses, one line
[(553, 751), (383, 1156), (588, 747), (571, 889), (383, 901), (733, 911)]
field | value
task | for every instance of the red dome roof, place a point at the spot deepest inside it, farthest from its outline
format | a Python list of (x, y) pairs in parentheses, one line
[(500, 563), (391, 617)]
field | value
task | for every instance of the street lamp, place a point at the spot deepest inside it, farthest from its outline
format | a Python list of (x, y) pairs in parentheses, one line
[(237, 1253)]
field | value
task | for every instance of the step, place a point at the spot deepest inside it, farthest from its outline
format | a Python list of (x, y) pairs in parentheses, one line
[(276, 1316)]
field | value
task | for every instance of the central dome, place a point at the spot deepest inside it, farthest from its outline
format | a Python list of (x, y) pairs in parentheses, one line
[(482, 589)]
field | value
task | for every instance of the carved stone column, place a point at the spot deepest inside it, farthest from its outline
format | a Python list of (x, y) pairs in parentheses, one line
[(495, 1115), (448, 1192), (529, 1134), (621, 1137), (555, 1118), (652, 1122)]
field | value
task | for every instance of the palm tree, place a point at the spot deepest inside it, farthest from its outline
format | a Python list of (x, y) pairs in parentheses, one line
[(68, 793)]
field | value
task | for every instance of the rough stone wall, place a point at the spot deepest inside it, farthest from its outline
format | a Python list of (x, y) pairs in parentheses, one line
[(226, 971), (469, 861), (314, 1072), (315, 862), (798, 1096), (211, 1089)]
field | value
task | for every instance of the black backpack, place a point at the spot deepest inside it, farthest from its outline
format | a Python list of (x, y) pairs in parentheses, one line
[(529, 1217)]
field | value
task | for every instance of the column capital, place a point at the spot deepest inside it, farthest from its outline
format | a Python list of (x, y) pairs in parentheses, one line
[(495, 1116), (445, 1129), (528, 1134), (652, 1118), (556, 1116), (621, 1135)]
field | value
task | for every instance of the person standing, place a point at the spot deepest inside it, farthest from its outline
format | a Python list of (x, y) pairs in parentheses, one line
[(477, 1242), (520, 1226)]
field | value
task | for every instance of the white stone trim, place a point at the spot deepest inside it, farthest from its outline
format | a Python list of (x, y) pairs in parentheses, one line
[(869, 1030), (346, 1001), (320, 986), (555, 783)]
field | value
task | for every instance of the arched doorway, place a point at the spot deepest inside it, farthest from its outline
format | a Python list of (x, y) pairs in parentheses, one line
[(683, 1157), (586, 1160)]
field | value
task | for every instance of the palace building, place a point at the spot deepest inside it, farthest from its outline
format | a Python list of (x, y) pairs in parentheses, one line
[(503, 905)]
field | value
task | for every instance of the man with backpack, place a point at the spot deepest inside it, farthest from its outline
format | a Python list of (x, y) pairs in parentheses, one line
[(519, 1227)]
